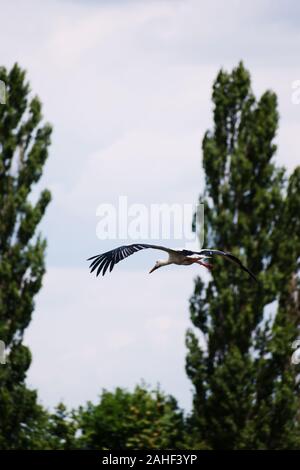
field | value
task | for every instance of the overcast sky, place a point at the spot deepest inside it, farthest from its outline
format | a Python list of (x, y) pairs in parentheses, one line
[(127, 87)]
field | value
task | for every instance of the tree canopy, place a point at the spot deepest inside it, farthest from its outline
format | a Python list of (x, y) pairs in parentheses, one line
[(245, 390), (24, 142)]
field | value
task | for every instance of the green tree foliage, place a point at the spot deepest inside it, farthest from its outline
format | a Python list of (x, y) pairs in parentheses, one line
[(142, 419), (245, 390), (24, 142), (58, 431)]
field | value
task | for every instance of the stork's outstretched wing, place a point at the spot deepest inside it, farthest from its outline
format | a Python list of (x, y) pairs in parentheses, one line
[(229, 256), (112, 257)]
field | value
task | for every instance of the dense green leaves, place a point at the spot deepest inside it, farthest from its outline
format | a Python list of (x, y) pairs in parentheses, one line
[(246, 393), (24, 142), (142, 419)]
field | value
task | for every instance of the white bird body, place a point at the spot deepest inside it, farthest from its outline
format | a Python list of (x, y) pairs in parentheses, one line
[(179, 257)]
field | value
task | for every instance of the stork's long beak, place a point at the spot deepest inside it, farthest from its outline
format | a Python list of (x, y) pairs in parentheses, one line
[(153, 269)]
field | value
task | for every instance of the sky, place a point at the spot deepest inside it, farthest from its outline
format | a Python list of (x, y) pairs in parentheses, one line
[(127, 88)]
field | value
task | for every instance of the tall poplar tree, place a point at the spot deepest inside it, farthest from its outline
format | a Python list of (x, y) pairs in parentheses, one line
[(246, 393), (24, 142)]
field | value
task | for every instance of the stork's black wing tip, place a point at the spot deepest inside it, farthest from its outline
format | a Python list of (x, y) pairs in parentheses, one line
[(238, 262), (92, 257), (249, 272)]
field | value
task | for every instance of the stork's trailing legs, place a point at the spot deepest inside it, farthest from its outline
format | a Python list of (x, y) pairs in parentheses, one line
[(207, 265)]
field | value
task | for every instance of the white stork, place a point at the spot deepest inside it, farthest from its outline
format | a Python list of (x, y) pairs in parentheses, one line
[(182, 257)]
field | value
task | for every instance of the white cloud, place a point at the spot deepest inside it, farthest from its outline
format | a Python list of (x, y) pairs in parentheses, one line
[(91, 333), (138, 165)]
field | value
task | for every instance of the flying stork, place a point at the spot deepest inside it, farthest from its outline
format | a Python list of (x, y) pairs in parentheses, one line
[(181, 257)]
